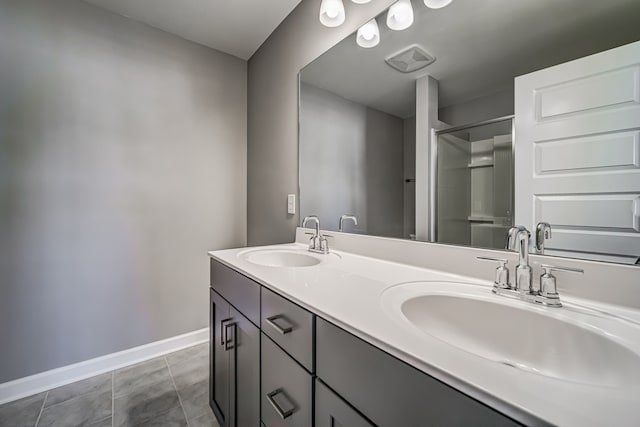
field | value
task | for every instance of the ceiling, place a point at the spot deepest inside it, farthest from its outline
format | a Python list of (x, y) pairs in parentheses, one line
[(479, 45), (237, 27)]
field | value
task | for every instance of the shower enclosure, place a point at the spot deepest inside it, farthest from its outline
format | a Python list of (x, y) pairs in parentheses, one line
[(472, 177)]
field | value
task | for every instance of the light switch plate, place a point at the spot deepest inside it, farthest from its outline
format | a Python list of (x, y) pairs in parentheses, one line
[(291, 204)]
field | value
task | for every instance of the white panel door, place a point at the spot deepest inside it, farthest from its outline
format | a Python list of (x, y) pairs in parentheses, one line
[(577, 154)]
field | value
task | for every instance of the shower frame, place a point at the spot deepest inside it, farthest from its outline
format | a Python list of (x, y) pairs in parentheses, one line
[(433, 166)]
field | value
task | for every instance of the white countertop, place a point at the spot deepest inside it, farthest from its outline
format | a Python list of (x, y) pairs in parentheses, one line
[(346, 289)]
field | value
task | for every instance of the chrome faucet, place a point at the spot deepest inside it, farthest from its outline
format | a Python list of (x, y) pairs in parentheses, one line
[(543, 232), (345, 217), (318, 243), (518, 240), (547, 294)]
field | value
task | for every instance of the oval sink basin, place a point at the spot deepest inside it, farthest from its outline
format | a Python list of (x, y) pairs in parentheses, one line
[(555, 342), (282, 258)]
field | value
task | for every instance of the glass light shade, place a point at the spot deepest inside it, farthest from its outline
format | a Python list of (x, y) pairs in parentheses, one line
[(331, 13), (437, 4), (361, 1), (368, 35), (400, 15)]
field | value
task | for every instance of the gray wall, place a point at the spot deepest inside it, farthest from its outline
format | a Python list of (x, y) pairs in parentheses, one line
[(351, 161), (409, 219), (273, 113), (122, 161)]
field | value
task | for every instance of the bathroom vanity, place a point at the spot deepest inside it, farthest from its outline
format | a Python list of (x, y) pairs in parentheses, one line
[(302, 339)]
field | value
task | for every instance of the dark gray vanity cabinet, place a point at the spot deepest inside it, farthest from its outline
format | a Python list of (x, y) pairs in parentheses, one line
[(275, 364), (235, 361), (390, 392)]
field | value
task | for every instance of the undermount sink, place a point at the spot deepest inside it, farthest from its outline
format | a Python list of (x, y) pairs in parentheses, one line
[(284, 258), (565, 344)]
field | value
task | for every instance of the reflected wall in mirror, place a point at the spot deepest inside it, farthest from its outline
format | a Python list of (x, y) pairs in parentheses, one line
[(482, 115)]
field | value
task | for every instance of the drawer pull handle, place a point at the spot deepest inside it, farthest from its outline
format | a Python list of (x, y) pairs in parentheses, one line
[(284, 330), (222, 322), (273, 399), (229, 344)]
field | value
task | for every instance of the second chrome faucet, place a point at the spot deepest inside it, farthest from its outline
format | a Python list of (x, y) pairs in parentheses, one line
[(518, 240)]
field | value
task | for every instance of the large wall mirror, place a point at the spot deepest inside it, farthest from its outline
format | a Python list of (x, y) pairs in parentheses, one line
[(466, 123)]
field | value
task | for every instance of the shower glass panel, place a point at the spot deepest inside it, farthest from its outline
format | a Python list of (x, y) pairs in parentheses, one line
[(474, 184)]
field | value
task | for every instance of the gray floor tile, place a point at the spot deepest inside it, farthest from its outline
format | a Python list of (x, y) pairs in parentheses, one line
[(195, 399), (145, 403), (174, 418), (190, 371), (187, 353), (104, 423), (206, 420), (23, 412), (100, 383), (80, 411), (143, 374)]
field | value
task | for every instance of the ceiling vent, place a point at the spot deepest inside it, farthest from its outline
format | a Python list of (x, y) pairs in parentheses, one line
[(411, 59)]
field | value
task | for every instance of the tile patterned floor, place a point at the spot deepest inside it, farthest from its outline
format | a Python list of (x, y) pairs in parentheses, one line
[(167, 391)]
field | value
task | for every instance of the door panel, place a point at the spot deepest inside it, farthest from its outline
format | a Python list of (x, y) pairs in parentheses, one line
[(577, 154), (390, 392), (332, 411), (245, 367), (219, 358)]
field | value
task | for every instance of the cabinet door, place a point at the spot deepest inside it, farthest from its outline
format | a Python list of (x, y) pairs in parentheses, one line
[(220, 361), (244, 338), (332, 411)]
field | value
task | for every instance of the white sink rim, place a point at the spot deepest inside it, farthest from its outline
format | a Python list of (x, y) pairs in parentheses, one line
[(285, 258), (592, 328)]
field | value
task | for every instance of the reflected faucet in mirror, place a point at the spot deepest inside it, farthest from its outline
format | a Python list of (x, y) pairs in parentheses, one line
[(343, 218), (543, 232), (518, 240)]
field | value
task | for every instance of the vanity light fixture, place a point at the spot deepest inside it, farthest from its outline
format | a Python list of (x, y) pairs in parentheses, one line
[(400, 15), (437, 4), (360, 1), (368, 35), (332, 13)]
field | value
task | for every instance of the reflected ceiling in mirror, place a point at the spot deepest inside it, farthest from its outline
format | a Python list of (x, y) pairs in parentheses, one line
[(479, 46)]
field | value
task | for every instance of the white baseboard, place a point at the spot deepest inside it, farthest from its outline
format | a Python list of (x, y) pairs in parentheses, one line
[(47, 380)]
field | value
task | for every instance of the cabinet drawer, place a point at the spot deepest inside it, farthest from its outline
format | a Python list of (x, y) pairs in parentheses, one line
[(242, 292), (288, 325), (286, 397), (332, 411), (390, 392)]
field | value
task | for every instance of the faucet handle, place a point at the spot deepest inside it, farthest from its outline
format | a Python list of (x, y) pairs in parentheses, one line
[(503, 261), (548, 286), (548, 269), (502, 272)]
